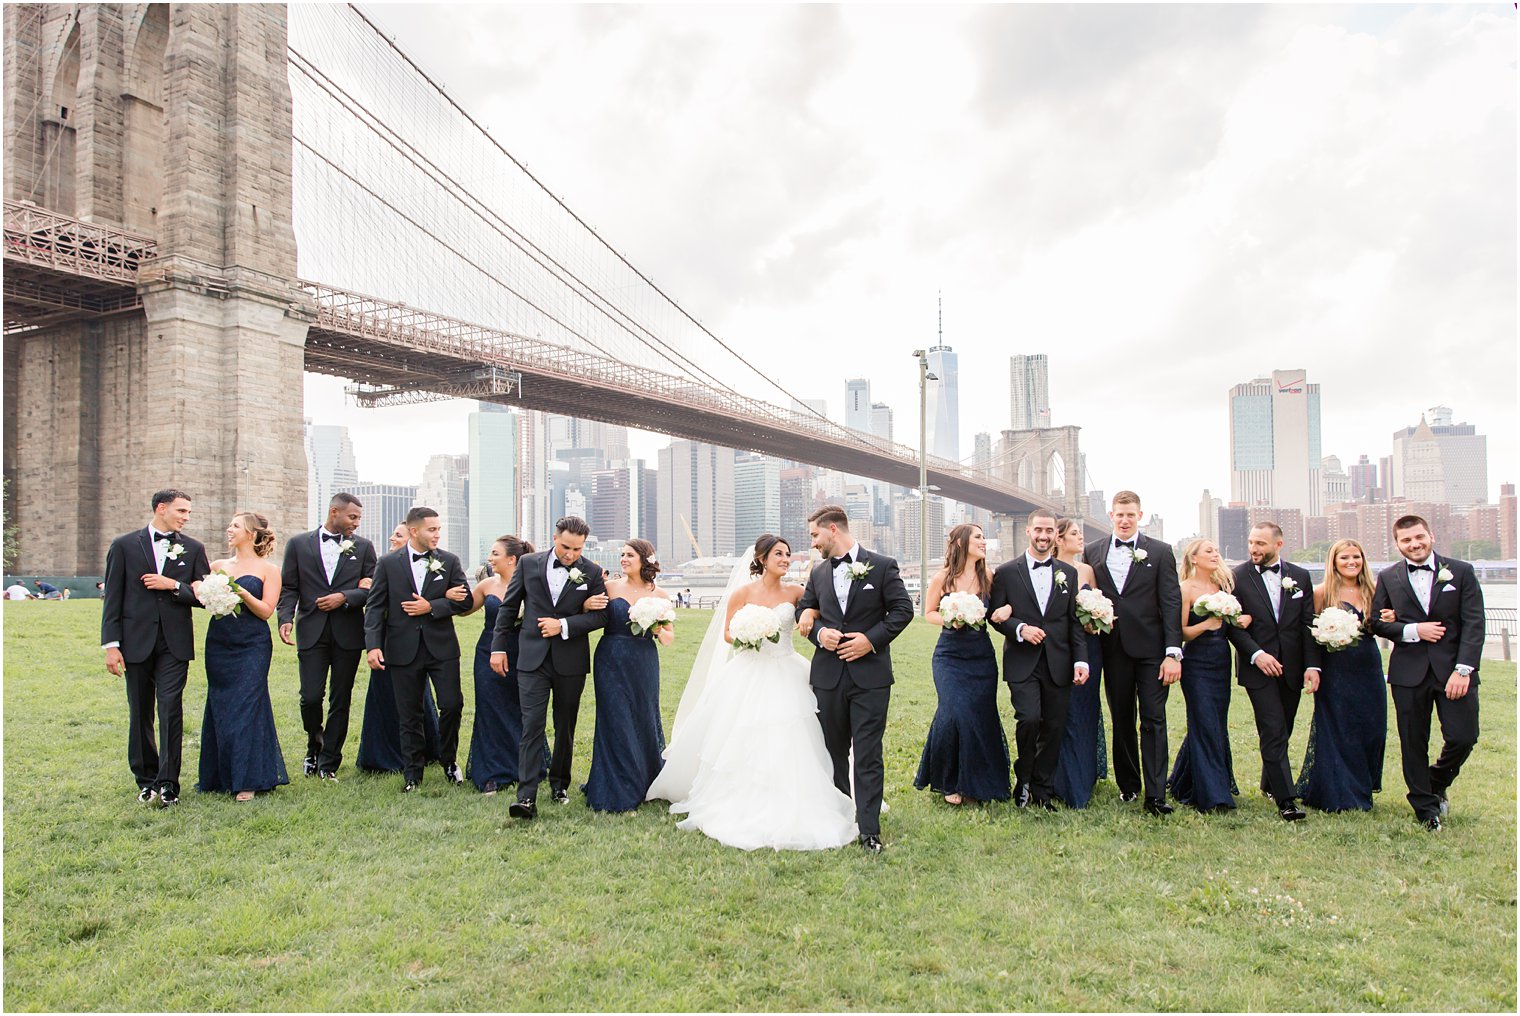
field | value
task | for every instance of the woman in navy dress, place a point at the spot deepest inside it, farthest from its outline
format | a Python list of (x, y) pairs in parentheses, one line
[(497, 732), (1343, 766), (1204, 774), (240, 751), (966, 753), (628, 747), (380, 737), (1084, 748)]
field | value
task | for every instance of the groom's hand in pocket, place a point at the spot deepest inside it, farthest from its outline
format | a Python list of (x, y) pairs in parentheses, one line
[(853, 646)]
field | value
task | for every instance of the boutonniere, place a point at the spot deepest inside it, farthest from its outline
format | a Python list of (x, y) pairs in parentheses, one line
[(577, 576), (345, 547), (434, 565), (1444, 575), (1061, 579), (1288, 584), (857, 570), (177, 550), (1138, 554)]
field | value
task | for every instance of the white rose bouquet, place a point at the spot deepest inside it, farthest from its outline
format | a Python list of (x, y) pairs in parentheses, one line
[(219, 594), (1222, 605), (752, 625), (963, 610), (1336, 628), (650, 614), (1095, 611)]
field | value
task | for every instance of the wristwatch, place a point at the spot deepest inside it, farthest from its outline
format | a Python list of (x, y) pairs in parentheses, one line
[(1175, 654), (1464, 670)]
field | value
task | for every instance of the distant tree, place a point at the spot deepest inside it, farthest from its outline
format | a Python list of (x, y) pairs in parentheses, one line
[(1475, 550), (8, 549), (1313, 553)]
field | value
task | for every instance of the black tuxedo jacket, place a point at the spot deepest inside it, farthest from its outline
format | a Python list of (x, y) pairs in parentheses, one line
[(879, 607), (1458, 604), (304, 580), (1148, 611), (133, 614), (1286, 637), (529, 592), (1065, 643), (388, 627)]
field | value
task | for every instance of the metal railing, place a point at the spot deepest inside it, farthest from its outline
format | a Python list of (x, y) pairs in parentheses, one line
[(46, 239)]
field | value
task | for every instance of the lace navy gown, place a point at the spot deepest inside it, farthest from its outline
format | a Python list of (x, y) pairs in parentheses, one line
[(629, 742), (1084, 748), (966, 751), (1204, 773), (1343, 766), (239, 747), (380, 739), (497, 733)]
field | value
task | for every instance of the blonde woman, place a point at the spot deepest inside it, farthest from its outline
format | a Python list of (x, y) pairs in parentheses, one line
[(1343, 766), (1204, 774)]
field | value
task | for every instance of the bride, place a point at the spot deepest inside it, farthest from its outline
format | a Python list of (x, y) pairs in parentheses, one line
[(746, 762)]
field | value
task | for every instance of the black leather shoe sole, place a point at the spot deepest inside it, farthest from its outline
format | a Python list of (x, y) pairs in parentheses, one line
[(523, 809), (1153, 806)]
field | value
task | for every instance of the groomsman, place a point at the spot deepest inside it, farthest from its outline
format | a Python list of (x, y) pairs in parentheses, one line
[(554, 655), (1437, 627), (409, 628), (1034, 605), (1273, 653), (147, 634), (325, 585), (1142, 656)]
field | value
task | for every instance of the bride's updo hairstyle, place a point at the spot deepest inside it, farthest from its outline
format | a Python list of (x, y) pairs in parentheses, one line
[(763, 548), (258, 525), (648, 566)]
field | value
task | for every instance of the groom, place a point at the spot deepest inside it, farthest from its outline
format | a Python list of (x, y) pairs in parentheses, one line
[(861, 605)]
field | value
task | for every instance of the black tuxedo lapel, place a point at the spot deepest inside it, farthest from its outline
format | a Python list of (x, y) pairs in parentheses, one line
[(1024, 580), (1100, 567), (1055, 590), (1401, 582), (855, 584), (146, 543), (826, 578)]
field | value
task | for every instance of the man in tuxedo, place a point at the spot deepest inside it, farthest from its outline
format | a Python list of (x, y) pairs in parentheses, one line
[(325, 585), (146, 632), (1142, 656), (1034, 605), (1274, 653), (1437, 628), (859, 605), (409, 628), (554, 655)]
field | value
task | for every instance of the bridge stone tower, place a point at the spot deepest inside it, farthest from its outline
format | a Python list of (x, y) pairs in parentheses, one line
[(172, 121)]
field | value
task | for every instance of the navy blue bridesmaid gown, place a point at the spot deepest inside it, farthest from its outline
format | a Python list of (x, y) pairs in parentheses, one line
[(627, 748), (380, 739), (1343, 766), (1084, 748), (966, 751), (1204, 773), (239, 747), (497, 733)]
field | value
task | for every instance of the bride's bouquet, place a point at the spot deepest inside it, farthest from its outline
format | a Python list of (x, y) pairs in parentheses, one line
[(752, 625), (650, 614), (963, 610), (1336, 628), (1095, 611), (219, 594), (1222, 605)]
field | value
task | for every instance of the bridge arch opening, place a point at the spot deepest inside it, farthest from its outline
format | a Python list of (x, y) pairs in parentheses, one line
[(143, 158), (59, 174)]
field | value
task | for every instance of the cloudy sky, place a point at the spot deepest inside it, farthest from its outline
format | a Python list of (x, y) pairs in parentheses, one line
[(1166, 200)]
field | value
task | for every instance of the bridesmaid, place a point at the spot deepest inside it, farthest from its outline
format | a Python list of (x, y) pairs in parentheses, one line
[(1084, 749), (965, 755), (240, 751), (1204, 774), (497, 732), (380, 737), (1343, 766), (628, 747)]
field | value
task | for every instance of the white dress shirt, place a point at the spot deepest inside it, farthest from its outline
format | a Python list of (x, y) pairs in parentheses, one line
[(329, 551), (1423, 583), (419, 567), (1120, 559), (842, 578), (1272, 582), (160, 549), (557, 577)]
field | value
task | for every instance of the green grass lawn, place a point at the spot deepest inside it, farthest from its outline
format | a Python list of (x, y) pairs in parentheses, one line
[(353, 897)]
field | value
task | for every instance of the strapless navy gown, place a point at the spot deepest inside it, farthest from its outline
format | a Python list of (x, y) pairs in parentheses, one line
[(966, 751), (239, 747), (629, 743), (380, 739), (497, 732), (1084, 748), (1204, 774), (1343, 766)]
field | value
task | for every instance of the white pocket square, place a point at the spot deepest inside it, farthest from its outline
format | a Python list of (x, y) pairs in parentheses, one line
[(1297, 596), (868, 586), (1448, 588), (580, 589)]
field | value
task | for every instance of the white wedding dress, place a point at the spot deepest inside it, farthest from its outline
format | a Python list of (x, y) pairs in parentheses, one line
[(748, 767)]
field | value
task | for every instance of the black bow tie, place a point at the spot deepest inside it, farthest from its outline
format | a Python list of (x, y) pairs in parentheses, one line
[(1419, 567), (560, 564), (1264, 568), (1125, 543), (837, 561), (162, 536), (418, 557), (334, 537), (1047, 563)]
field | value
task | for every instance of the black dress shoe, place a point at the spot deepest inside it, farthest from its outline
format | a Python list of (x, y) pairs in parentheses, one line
[(328, 776), (1128, 796), (146, 795), (560, 797), (452, 774), (1291, 812), (1021, 795), (1433, 824), (1048, 805), (523, 809), (871, 844), (168, 798), (490, 788), (1157, 806), (309, 765), (408, 787)]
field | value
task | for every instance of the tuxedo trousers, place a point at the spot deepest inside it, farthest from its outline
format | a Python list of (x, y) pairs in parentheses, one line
[(1039, 713), (1128, 682), (157, 682), (1274, 726), (852, 716), (535, 688), (409, 683), (315, 665), (1427, 782)]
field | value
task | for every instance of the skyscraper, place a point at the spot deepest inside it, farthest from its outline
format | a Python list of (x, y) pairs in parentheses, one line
[(1208, 517), (329, 468), (1457, 451), (495, 489), (442, 489), (1364, 478), (944, 404), (1029, 391), (624, 504), (757, 498), (881, 420), (857, 404), (1274, 442), (696, 501), (981, 459), (1335, 482), (385, 507)]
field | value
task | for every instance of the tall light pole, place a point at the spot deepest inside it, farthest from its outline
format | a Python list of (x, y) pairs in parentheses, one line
[(924, 377)]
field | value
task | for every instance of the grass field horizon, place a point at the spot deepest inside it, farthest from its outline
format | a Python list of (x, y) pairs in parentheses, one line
[(353, 897)]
